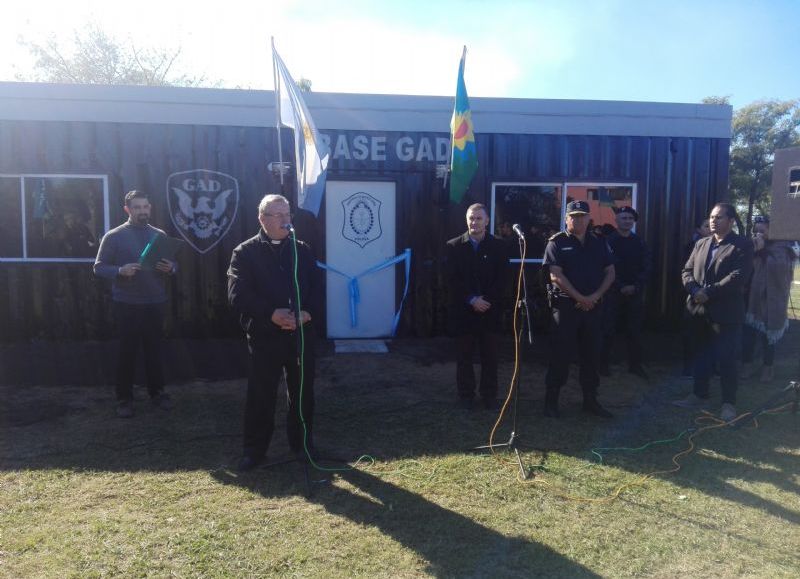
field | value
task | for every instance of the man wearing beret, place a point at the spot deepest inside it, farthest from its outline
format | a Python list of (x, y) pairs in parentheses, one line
[(581, 270), (624, 304)]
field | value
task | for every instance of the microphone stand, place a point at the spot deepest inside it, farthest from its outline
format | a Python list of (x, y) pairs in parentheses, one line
[(793, 386), (296, 307), (299, 345), (305, 460), (524, 316)]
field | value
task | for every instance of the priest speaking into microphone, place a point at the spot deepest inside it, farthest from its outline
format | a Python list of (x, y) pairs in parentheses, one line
[(262, 291)]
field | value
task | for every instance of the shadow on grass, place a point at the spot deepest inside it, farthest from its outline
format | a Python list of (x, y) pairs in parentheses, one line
[(722, 458), (450, 543), (395, 407)]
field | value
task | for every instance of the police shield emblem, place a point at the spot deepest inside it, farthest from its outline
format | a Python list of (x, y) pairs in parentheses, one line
[(362, 218), (202, 205)]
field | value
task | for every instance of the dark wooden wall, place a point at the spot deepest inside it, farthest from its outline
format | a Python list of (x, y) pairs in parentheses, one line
[(678, 179)]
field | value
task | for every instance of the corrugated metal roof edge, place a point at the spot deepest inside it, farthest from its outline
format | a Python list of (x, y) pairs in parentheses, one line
[(151, 104)]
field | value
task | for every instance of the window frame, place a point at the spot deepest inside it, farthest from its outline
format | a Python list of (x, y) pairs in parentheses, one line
[(567, 184), (789, 193), (23, 215), (522, 184), (564, 187)]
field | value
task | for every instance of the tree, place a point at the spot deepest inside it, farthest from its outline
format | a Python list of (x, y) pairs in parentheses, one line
[(98, 58), (304, 84), (758, 129)]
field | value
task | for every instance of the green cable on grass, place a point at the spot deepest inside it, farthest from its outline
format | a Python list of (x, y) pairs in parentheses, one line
[(598, 452), (302, 376)]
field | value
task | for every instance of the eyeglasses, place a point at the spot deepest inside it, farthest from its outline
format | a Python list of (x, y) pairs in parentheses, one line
[(279, 215)]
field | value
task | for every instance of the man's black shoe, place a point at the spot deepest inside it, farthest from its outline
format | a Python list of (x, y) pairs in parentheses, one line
[(593, 407), (247, 463), (639, 371)]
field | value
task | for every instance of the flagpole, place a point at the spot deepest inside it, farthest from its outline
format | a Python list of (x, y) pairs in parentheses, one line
[(275, 81)]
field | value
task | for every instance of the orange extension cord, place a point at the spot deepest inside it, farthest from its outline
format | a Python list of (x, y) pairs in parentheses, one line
[(706, 421)]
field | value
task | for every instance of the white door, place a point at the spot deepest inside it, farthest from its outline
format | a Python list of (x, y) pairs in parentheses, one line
[(360, 235)]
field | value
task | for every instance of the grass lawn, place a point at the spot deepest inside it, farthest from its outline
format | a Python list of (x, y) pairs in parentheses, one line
[(85, 494)]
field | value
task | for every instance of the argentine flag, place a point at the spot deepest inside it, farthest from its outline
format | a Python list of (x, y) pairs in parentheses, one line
[(310, 152)]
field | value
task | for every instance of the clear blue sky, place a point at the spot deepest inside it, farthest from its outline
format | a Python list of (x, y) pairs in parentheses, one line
[(648, 50)]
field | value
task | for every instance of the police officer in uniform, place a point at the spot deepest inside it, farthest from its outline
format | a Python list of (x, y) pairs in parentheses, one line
[(581, 270), (624, 303)]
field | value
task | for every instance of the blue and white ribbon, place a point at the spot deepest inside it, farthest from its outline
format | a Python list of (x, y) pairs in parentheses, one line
[(355, 292)]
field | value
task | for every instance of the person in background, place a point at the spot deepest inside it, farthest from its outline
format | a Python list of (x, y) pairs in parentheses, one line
[(766, 319), (702, 229), (504, 231), (76, 237), (624, 306)]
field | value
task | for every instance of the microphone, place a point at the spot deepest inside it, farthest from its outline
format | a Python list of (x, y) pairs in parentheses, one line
[(288, 227), (518, 230)]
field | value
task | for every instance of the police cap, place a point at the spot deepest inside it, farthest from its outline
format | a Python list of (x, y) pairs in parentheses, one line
[(577, 208)]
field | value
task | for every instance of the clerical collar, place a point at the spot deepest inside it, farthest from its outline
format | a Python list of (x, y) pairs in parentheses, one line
[(267, 239)]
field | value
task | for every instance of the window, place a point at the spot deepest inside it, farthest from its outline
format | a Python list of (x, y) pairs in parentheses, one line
[(794, 183), (539, 208), (10, 222), (52, 217), (603, 199), (536, 207)]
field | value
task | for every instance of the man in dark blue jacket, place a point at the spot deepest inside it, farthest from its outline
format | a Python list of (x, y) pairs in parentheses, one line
[(476, 264), (261, 289)]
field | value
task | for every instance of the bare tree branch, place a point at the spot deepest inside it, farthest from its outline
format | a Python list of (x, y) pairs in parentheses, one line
[(98, 58)]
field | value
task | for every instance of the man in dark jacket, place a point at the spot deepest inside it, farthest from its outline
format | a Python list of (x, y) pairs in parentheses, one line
[(714, 277), (261, 288), (624, 304), (476, 272)]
